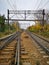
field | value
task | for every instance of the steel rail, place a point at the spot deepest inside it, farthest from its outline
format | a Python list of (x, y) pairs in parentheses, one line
[(8, 40), (42, 38), (4, 38), (17, 56), (39, 43)]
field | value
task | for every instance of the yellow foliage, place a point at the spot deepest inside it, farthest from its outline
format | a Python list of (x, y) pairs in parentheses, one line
[(15, 25), (38, 27)]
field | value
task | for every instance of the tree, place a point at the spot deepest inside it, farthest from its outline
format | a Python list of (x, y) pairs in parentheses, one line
[(2, 23), (15, 26)]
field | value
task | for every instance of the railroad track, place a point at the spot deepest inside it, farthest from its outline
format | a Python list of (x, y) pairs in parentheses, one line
[(41, 42), (13, 52), (42, 37), (6, 40), (30, 55), (8, 50), (21, 54), (22, 50)]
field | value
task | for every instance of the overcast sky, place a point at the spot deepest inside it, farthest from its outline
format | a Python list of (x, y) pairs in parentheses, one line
[(23, 5)]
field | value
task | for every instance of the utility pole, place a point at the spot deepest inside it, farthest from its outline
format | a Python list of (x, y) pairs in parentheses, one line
[(8, 19), (25, 15), (43, 17)]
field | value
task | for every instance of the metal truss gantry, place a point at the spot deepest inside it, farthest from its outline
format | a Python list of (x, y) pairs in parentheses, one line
[(26, 15)]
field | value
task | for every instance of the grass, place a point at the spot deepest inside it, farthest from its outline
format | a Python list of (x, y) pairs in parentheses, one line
[(2, 34), (45, 34), (42, 33)]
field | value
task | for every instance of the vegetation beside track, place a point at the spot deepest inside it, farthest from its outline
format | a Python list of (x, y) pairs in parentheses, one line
[(6, 29), (2, 34), (40, 30)]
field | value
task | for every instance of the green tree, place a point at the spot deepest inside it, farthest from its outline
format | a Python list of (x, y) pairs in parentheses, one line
[(2, 23)]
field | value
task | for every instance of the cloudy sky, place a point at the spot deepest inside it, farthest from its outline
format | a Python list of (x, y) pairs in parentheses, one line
[(23, 5)]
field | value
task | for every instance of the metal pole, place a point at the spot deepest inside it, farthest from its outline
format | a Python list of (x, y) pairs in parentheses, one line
[(8, 19), (25, 14), (43, 17)]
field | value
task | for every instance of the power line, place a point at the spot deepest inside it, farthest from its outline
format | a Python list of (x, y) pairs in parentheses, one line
[(36, 3), (12, 7), (15, 7), (10, 4), (39, 4), (45, 4)]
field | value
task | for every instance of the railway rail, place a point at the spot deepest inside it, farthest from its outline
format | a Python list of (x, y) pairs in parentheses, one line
[(8, 39), (46, 39), (8, 49), (21, 49), (35, 55), (41, 42)]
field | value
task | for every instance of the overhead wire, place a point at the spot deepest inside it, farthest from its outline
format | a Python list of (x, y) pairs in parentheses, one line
[(39, 4), (15, 8), (9, 4), (35, 4), (12, 7), (45, 4)]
